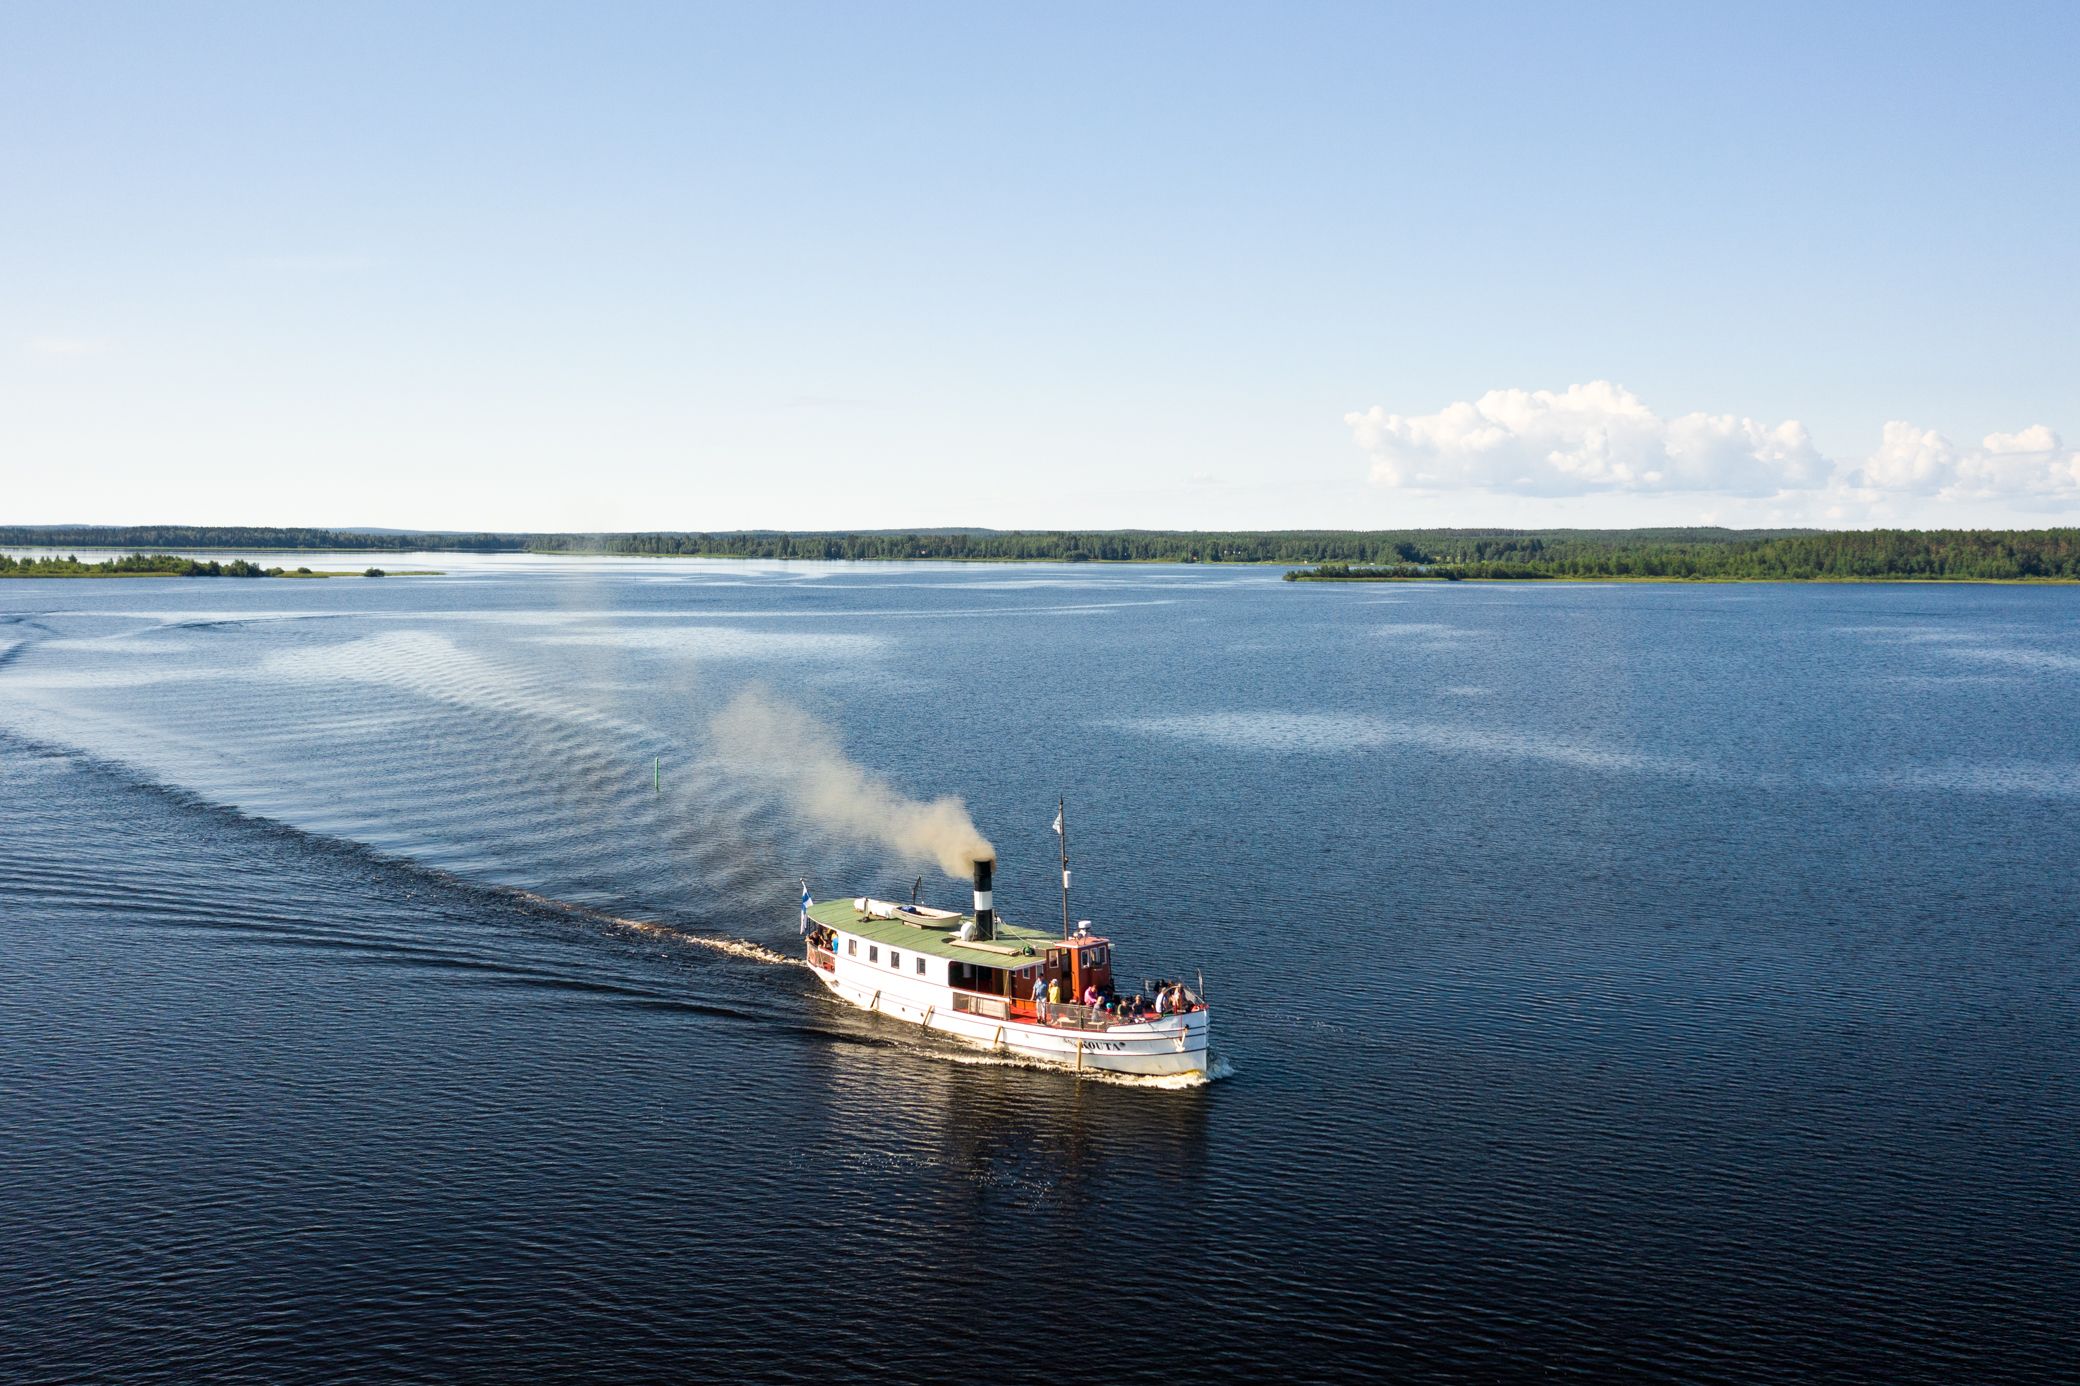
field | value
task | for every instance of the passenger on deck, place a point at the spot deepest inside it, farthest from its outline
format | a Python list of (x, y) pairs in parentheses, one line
[(1054, 998), (1040, 995), (1090, 996), (1162, 997)]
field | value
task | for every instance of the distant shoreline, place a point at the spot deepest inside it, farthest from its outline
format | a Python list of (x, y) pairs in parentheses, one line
[(1692, 554), (107, 576), (1296, 572), (169, 565), (1695, 581)]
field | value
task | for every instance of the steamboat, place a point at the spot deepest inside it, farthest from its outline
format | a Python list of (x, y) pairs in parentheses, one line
[(1028, 992)]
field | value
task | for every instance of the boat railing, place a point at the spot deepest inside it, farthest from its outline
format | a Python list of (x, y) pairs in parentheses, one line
[(1061, 1015), (979, 1003), (1067, 1015), (823, 958)]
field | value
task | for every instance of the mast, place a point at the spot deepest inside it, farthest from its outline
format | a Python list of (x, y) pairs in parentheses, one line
[(1061, 830)]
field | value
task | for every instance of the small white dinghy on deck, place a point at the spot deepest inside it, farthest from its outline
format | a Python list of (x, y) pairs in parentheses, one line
[(1004, 987)]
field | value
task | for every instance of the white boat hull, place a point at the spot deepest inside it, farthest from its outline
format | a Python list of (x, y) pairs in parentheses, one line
[(1164, 1047)]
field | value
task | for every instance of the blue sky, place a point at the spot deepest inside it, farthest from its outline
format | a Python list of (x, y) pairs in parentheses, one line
[(684, 266)]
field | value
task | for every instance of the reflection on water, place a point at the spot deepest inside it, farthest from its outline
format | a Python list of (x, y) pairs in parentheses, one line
[(996, 1134)]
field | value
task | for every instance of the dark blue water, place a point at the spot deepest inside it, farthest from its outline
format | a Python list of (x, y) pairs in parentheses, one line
[(1614, 982)]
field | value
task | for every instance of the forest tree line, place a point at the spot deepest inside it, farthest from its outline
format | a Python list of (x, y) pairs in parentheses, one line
[(1955, 554), (135, 565), (1432, 553), (161, 537), (1073, 546)]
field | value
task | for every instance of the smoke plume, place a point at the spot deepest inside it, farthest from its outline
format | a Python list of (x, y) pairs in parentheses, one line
[(757, 736)]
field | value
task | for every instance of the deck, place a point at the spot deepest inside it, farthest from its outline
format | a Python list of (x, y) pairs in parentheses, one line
[(1025, 943)]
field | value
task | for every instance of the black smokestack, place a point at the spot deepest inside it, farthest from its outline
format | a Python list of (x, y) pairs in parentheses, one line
[(985, 911)]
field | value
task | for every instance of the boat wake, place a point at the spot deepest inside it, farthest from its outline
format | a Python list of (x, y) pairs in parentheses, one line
[(416, 875), (734, 947)]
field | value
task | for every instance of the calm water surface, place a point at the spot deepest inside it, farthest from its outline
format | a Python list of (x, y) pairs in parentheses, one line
[(1638, 982)]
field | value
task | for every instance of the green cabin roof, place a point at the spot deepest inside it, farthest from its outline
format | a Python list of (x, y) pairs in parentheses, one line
[(937, 939)]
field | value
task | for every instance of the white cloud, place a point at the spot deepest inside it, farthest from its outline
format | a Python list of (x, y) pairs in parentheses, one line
[(1920, 461), (1908, 459), (1601, 439), (1586, 439)]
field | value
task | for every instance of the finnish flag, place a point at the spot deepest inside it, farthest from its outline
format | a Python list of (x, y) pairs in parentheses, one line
[(806, 902)]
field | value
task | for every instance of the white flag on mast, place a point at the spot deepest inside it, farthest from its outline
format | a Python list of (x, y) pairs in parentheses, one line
[(1057, 822)]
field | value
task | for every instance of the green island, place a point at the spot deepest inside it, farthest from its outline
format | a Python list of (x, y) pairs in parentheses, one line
[(2047, 555), (1697, 554), (169, 565)]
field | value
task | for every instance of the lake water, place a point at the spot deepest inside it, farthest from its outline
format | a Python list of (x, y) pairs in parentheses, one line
[(1610, 982)]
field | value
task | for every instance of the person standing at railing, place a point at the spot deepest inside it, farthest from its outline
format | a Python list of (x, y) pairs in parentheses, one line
[(1040, 997), (1054, 997)]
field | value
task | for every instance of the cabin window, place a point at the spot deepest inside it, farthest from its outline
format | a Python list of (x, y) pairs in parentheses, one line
[(873, 953), (976, 978), (895, 959), (852, 946), (920, 966)]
